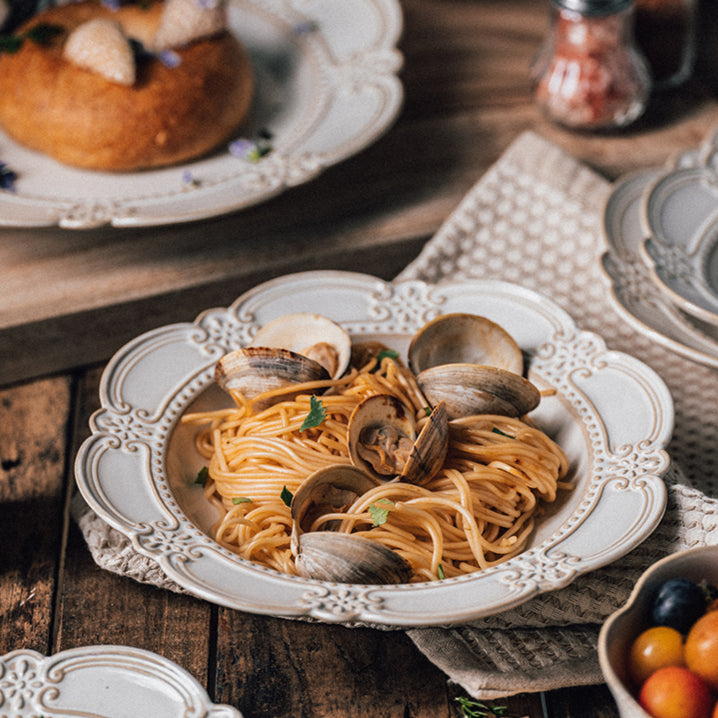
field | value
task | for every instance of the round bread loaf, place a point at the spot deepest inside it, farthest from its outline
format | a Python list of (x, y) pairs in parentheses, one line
[(173, 112)]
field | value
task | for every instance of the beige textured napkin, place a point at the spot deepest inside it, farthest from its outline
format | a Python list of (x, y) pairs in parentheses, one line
[(535, 219)]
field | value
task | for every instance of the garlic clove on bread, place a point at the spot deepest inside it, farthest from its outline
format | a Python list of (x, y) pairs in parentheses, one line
[(184, 21), (100, 45)]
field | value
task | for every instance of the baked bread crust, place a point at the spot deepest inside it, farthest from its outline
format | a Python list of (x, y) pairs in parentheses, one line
[(170, 114)]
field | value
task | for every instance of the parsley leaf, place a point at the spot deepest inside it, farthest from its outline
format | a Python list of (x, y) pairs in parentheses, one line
[(503, 433), (378, 514), (441, 573), (387, 354), (44, 32), (202, 476), (475, 709), (241, 500), (286, 496), (317, 414)]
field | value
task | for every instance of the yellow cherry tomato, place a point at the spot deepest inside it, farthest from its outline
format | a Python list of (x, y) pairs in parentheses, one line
[(655, 648)]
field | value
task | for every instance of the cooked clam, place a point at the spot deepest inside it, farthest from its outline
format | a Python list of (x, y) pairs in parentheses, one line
[(383, 440), (312, 335), (461, 338), (345, 558), (327, 555), (467, 389), (328, 490), (255, 370)]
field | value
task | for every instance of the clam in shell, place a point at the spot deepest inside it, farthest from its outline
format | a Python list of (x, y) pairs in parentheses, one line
[(345, 558), (312, 335), (327, 555), (462, 338), (468, 389), (383, 440), (255, 370)]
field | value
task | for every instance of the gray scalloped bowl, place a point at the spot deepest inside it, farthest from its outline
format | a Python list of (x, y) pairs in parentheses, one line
[(623, 626)]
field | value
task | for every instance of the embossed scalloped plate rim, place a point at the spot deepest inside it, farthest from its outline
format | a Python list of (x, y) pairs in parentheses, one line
[(635, 296), (682, 233), (105, 681), (612, 415), (323, 95)]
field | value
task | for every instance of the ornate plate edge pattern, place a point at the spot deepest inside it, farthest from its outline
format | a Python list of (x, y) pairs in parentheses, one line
[(32, 684)]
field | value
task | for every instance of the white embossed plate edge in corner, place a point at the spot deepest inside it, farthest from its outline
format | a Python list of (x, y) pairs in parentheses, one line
[(618, 461), (105, 681)]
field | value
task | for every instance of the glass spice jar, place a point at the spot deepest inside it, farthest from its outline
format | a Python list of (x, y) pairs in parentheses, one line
[(665, 31), (589, 74)]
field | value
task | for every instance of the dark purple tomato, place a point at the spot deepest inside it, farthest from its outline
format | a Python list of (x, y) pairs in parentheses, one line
[(679, 603)]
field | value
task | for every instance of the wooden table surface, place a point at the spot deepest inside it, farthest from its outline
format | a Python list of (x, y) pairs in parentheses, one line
[(70, 299)]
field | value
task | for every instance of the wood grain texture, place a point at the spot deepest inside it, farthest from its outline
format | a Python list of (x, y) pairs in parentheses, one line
[(73, 298), (33, 456)]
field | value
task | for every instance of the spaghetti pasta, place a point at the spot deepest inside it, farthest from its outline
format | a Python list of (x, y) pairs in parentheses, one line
[(478, 510)]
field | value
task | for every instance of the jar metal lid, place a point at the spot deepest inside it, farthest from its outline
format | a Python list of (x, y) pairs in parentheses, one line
[(594, 7)]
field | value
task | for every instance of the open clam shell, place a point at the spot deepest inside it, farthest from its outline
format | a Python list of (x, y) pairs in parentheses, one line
[(312, 335), (462, 338), (328, 490), (383, 441), (345, 558), (468, 389), (255, 370), (327, 555)]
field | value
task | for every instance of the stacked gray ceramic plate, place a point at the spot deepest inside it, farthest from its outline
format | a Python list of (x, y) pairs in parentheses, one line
[(661, 227)]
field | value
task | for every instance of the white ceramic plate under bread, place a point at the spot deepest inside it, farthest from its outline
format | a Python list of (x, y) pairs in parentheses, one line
[(611, 414), (326, 87)]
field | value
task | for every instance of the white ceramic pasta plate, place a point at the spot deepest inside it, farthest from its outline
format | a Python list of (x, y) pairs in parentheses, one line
[(102, 682), (634, 294), (326, 87), (611, 414)]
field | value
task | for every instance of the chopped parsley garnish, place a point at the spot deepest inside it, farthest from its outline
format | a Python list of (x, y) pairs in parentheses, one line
[(379, 515), (236, 500), (475, 709), (202, 476), (503, 433), (44, 33), (317, 414), (41, 34), (387, 354), (286, 496), (440, 572), (427, 410)]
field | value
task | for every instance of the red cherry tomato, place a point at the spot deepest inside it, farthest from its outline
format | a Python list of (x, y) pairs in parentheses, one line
[(676, 692), (701, 651), (655, 648)]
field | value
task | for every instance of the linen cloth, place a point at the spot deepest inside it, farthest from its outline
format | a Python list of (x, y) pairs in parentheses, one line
[(535, 219)]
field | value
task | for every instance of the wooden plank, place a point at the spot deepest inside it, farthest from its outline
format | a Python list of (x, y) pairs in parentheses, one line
[(268, 666), (99, 607), (587, 702), (32, 473)]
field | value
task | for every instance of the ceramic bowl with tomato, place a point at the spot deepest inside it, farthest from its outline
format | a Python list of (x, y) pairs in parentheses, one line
[(619, 633)]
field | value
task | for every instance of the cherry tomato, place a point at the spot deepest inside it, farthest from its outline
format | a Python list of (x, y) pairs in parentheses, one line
[(655, 648), (676, 692), (701, 650)]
